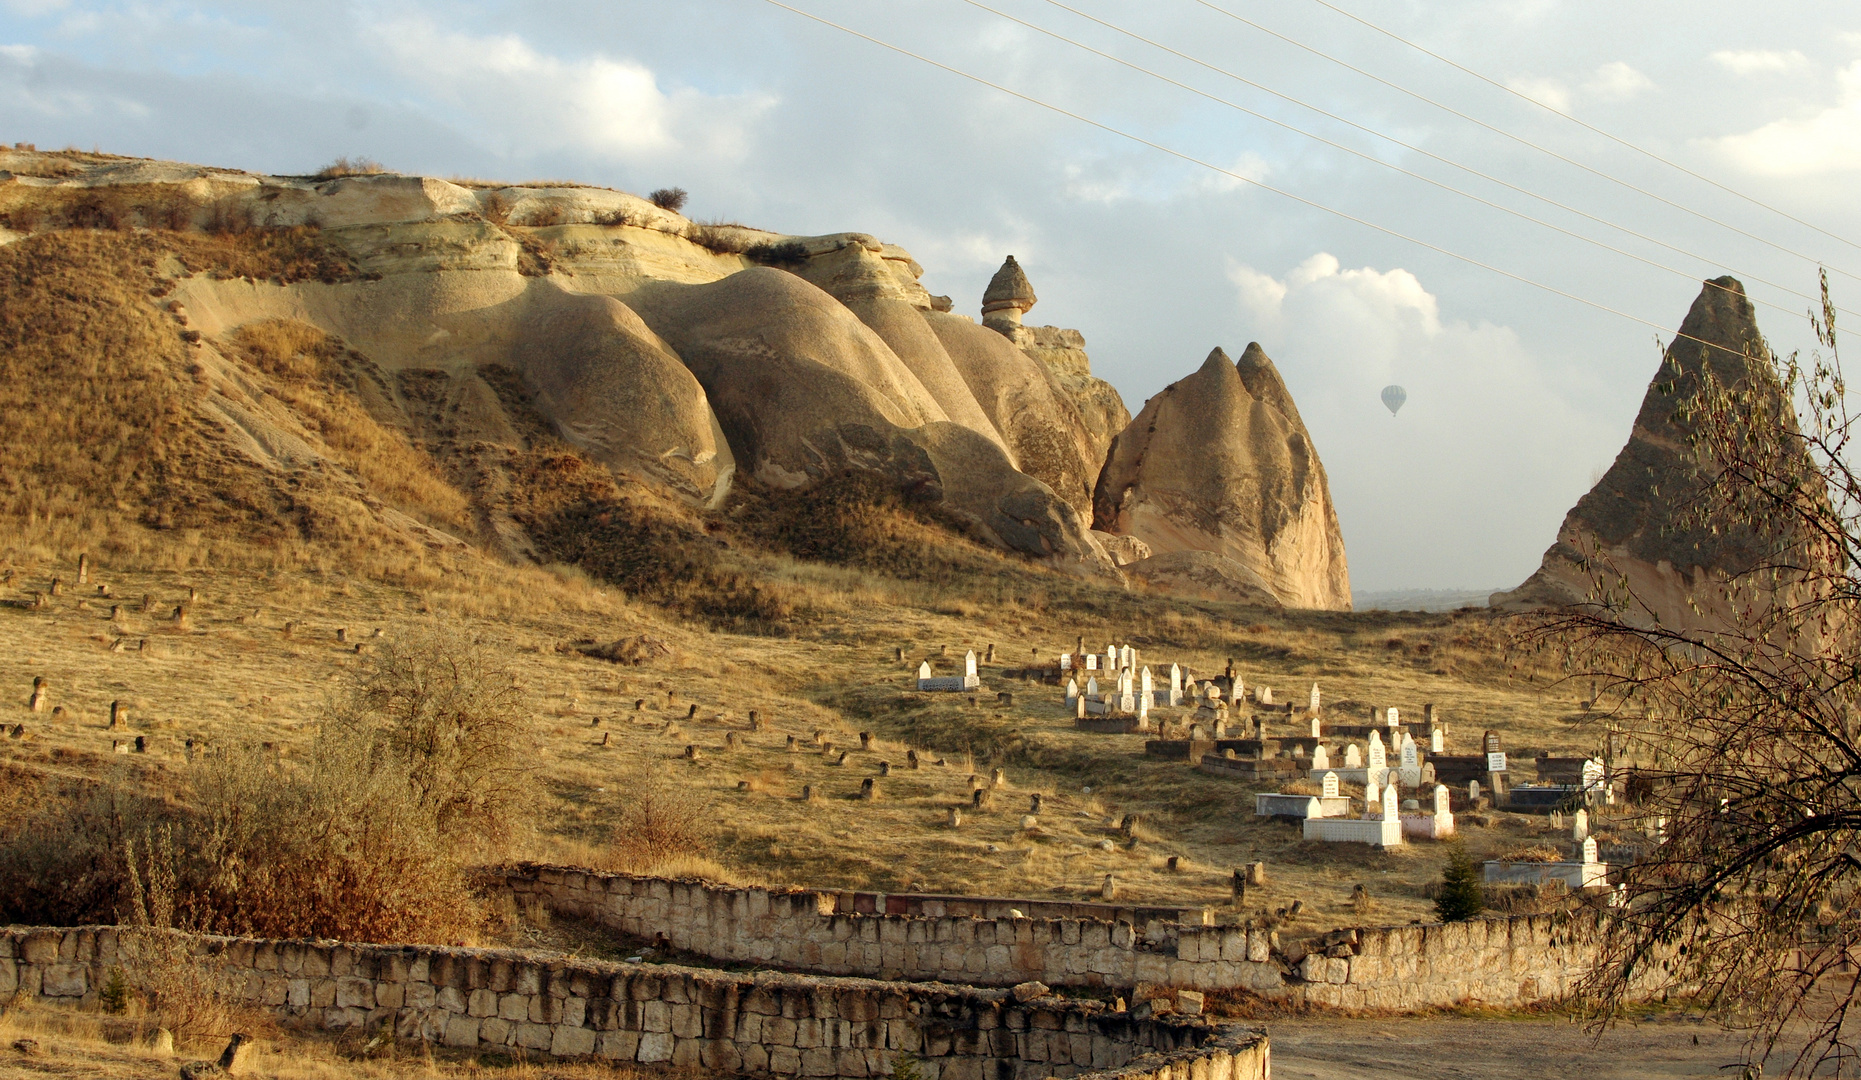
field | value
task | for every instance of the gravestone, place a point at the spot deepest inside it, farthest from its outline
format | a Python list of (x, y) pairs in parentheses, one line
[(1330, 782), (865, 740), (1428, 777), (1176, 686), (1111, 658), (1437, 741), (1066, 661), (1392, 802), (1127, 657), (1353, 758), (1409, 762), (1321, 758), (911, 759), (969, 664), (1146, 690), (1312, 702), (956, 818), (119, 716), (1473, 792), (1429, 716), (1589, 850), (1372, 798), (869, 790), (924, 671), (1072, 690), (1092, 662), (1395, 719), (1442, 802), (998, 778), (1317, 727), (1379, 754), (1092, 688), (793, 744), (1580, 826), (1266, 695), (1491, 742)]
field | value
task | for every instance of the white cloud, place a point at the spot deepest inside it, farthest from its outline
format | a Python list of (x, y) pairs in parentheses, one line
[(1483, 426), (1249, 165), (1759, 61), (1827, 142), (1617, 81), (529, 101), (1544, 91)]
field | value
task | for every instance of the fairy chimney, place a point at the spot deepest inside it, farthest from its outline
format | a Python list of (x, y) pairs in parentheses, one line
[(1007, 298)]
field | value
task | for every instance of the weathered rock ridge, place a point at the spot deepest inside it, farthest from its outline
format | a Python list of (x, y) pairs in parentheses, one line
[(685, 356), (1218, 476), (1635, 524)]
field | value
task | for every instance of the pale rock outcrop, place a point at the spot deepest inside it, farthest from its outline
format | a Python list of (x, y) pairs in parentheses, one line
[(1635, 525), (1008, 297), (1211, 466), (886, 296), (614, 389), (803, 390), (1124, 550), (1203, 574)]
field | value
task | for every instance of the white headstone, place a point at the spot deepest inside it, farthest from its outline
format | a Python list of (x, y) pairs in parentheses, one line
[(1331, 784), (1437, 741), (1240, 687), (1144, 688), (1442, 802), (1127, 657), (1079, 705), (1313, 705), (1321, 758), (1072, 690), (1176, 685), (1394, 720), (1143, 708), (1092, 687), (1317, 728), (1353, 757), (969, 662), (1589, 850), (1066, 661), (1092, 662), (1580, 826), (1410, 764), (1592, 774), (1266, 695), (924, 670), (1111, 658), (1127, 701), (1379, 756), (1473, 791), (1392, 803), (1372, 798)]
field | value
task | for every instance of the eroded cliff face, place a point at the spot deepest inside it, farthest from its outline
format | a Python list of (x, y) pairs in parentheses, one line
[(1637, 523), (1220, 465)]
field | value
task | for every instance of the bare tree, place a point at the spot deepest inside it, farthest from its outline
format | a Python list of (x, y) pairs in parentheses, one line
[(1743, 717)]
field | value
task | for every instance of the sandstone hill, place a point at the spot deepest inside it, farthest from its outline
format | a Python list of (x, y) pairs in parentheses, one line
[(1634, 525), (540, 360), (1219, 479)]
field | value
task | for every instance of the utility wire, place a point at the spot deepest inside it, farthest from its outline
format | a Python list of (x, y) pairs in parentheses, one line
[(1521, 140), (1585, 124), (1193, 160), (1394, 167)]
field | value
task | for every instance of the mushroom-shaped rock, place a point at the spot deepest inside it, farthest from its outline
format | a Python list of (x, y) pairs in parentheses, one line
[(1220, 463), (1008, 296), (616, 390)]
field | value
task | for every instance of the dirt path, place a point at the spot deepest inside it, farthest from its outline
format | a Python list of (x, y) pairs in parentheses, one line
[(1498, 1049)]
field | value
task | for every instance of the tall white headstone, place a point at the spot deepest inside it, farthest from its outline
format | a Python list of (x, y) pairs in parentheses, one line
[(1589, 850), (1442, 802), (1409, 762), (1331, 785), (1066, 661), (924, 670), (1111, 658), (1317, 727), (1353, 757), (1313, 703), (1145, 690), (1580, 826), (1176, 685), (1395, 721), (1392, 803), (1127, 657), (969, 663), (1092, 662), (1437, 741), (1321, 758), (1072, 690), (1266, 695), (1372, 798), (1092, 687), (1592, 775), (1240, 687), (1379, 755)]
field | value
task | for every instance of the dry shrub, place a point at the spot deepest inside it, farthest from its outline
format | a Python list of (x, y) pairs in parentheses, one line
[(662, 825), (672, 198), (344, 166), (63, 845), (1302, 786), (190, 993), (317, 378), (1533, 853)]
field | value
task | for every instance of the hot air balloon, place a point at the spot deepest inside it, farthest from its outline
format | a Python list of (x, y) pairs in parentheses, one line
[(1393, 397)]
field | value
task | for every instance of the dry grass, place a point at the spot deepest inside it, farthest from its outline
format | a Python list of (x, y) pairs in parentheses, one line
[(78, 1043), (344, 166)]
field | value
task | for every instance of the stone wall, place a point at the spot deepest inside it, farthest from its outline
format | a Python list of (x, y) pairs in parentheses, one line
[(764, 1023), (805, 930), (1498, 961)]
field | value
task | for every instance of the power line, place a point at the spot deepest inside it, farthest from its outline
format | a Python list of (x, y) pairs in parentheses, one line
[(1190, 158), (1398, 142), (1521, 140), (1585, 124)]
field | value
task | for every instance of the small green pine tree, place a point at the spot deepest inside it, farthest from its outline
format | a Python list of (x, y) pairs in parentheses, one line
[(114, 995), (1460, 896)]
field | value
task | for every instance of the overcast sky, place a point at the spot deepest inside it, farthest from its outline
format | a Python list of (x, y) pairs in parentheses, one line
[(1518, 397)]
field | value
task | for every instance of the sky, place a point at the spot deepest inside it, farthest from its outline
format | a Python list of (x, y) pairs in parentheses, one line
[(1525, 351)]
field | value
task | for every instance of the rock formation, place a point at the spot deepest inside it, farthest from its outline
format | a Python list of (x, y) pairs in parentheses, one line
[(1219, 477), (1635, 522)]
